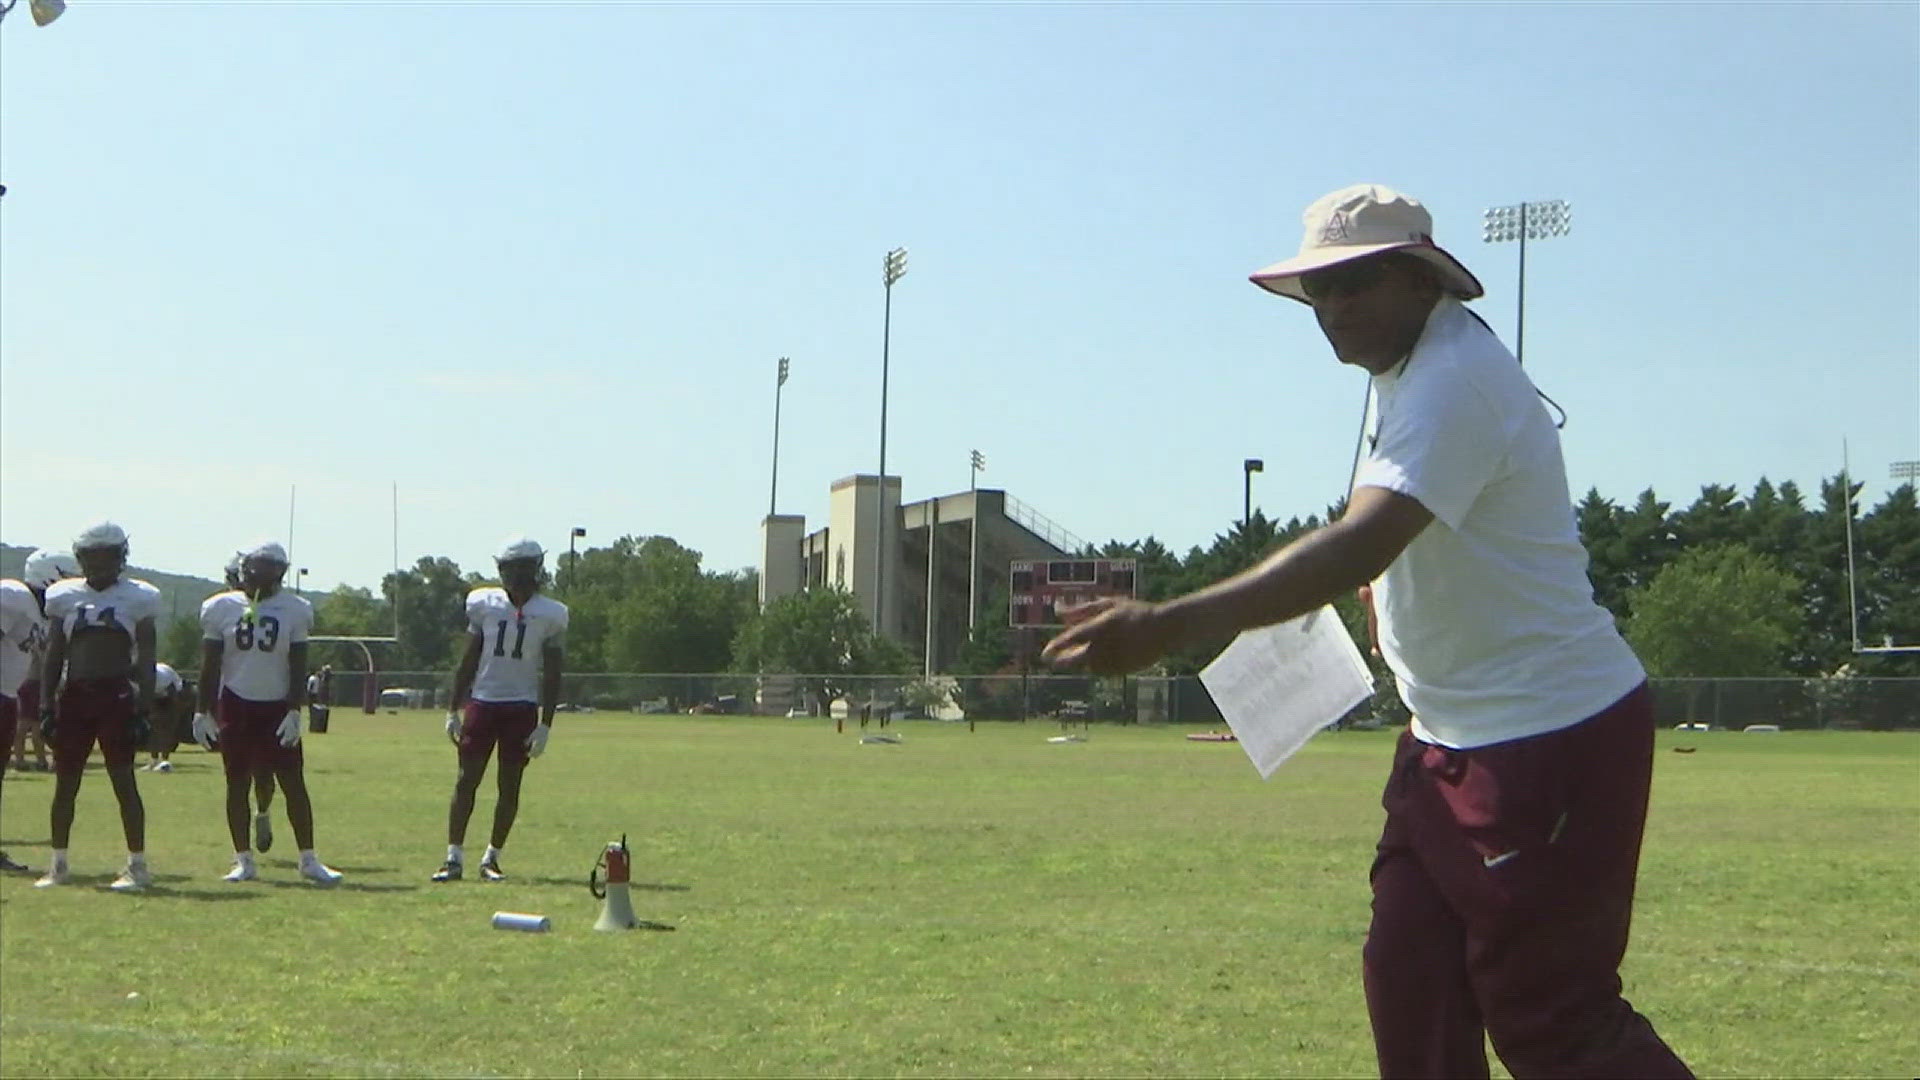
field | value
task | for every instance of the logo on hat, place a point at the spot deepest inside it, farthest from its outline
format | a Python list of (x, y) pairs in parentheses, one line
[(1335, 230)]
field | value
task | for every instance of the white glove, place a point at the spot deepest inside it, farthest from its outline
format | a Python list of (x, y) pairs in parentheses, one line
[(537, 739), (289, 729), (204, 731), (453, 727)]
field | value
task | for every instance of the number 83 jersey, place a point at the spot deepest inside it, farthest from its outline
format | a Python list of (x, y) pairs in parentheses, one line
[(512, 641), (254, 637)]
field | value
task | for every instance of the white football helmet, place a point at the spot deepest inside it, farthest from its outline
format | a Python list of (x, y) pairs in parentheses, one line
[(267, 551), (46, 567), (104, 535), (519, 547)]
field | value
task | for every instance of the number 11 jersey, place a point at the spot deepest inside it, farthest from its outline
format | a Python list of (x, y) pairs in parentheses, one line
[(512, 642)]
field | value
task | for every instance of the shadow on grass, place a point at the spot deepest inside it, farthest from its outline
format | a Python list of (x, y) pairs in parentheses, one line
[(164, 887), (216, 895), (637, 886), (14, 841), (344, 886)]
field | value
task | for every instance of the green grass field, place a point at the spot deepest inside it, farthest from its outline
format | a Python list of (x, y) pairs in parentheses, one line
[(979, 903)]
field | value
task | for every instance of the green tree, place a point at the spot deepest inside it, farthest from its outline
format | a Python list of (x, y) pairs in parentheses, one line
[(644, 604), (350, 611), (180, 643), (430, 601), (1887, 575), (821, 634), (1716, 611)]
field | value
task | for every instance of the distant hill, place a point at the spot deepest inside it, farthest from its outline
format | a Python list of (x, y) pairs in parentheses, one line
[(180, 594)]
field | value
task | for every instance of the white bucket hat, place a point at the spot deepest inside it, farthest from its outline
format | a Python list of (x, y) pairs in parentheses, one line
[(1358, 221)]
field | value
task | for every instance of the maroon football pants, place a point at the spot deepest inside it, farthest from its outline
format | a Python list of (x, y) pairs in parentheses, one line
[(1502, 892)]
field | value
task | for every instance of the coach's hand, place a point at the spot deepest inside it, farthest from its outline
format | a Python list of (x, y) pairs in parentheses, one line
[(204, 732), (537, 739), (139, 726), (49, 721), (289, 729), (453, 727), (1109, 637)]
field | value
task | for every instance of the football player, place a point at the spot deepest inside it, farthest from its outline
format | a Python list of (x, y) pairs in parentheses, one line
[(508, 682), (23, 627), (262, 780), (254, 657), (165, 720), (97, 685), (42, 569)]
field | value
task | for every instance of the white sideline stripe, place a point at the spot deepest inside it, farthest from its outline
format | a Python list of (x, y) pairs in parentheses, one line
[(1898, 974), (188, 1041)]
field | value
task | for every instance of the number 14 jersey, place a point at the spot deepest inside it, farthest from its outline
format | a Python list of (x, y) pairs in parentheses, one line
[(512, 641)]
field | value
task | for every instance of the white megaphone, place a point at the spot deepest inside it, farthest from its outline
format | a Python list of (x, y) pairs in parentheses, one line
[(616, 908)]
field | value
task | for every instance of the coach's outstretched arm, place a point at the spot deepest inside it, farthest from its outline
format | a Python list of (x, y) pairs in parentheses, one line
[(1115, 637)]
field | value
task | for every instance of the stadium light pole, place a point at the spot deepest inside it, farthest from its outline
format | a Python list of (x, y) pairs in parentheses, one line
[(1525, 221), (1907, 471), (973, 536), (893, 269), (1248, 468), (299, 581), (773, 494), (573, 557), (43, 11), (933, 529)]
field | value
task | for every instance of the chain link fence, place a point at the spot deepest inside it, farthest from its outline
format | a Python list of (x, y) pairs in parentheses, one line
[(1840, 703)]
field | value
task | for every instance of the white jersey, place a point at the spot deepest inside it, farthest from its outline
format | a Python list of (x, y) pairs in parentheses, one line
[(22, 629), (513, 641), (254, 638), (166, 681), (1487, 618), (76, 606)]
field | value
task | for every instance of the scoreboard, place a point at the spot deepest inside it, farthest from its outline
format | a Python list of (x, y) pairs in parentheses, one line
[(1042, 588)]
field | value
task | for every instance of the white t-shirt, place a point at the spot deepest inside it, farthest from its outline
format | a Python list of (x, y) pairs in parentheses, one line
[(1487, 619), (166, 680), (22, 629), (513, 641), (254, 642), (77, 606)]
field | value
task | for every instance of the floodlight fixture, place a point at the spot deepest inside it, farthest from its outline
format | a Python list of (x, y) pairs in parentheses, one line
[(1523, 222)]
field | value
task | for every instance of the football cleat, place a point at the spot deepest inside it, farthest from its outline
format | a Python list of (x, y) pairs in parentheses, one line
[(7, 864), (133, 879), (242, 871), (449, 871), (263, 833), (163, 766), (55, 876), (319, 873), (490, 871)]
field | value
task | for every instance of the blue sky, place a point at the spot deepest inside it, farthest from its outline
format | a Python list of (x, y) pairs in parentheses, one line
[(536, 261)]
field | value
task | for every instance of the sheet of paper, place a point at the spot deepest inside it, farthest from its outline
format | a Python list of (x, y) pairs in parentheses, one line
[(1279, 684)]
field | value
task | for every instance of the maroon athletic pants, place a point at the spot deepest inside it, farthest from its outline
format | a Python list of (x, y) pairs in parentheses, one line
[(1502, 893)]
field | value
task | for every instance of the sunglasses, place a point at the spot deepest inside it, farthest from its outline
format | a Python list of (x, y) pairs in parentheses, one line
[(1345, 279)]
